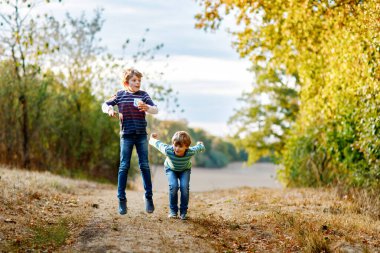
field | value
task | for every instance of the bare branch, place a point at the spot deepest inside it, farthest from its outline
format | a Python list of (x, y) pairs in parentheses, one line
[(5, 19)]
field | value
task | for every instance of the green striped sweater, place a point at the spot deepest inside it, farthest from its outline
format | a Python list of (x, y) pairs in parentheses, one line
[(176, 163)]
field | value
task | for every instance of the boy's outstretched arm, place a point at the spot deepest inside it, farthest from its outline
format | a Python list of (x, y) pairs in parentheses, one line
[(198, 148), (160, 146), (152, 109)]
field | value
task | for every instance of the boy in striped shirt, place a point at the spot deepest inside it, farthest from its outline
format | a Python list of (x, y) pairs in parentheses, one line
[(132, 103), (177, 168)]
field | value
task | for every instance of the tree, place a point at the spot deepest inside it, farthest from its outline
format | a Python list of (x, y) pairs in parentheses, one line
[(56, 69), (328, 50), (24, 45)]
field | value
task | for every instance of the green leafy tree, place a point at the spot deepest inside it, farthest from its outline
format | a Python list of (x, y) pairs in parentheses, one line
[(52, 83), (271, 107), (24, 45), (321, 56)]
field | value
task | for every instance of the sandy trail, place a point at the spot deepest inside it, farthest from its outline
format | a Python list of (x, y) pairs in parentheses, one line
[(138, 231)]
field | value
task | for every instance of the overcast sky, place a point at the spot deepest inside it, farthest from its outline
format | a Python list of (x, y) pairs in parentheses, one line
[(202, 67)]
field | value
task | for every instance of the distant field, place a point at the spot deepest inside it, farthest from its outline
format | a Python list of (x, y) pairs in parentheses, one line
[(234, 175)]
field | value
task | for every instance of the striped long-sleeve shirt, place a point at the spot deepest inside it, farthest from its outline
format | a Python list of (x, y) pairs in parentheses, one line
[(133, 121), (172, 161)]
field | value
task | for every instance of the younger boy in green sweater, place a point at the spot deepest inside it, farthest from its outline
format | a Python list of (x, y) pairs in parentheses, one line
[(177, 168)]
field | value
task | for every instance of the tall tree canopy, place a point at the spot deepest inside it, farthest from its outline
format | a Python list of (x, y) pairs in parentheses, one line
[(317, 63)]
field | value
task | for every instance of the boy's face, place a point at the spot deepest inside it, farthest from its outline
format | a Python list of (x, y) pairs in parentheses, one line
[(179, 150), (133, 84)]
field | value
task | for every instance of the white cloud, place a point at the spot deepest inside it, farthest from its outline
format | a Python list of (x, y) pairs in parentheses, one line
[(215, 128), (87, 5), (203, 75), (193, 68), (208, 88)]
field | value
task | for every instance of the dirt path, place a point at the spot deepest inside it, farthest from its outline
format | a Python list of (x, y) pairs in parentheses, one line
[(232, 220), (137, 231), (235, 219), (41, 212)]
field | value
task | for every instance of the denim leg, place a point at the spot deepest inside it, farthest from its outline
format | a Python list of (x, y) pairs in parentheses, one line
[(142, 152), (184, 184), (173, 190), (126, 147)]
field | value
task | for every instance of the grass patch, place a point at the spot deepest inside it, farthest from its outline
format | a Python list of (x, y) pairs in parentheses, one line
[(42, 237), (47, 236), (314, 243), (306, 231), (62, 187), (40, 211), (366, 201), (231, 236), (288, 220)]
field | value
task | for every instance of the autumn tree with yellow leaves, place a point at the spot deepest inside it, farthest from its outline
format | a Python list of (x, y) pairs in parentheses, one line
[(317, 62)]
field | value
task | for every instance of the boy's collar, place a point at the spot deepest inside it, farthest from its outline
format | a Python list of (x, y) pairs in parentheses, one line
[(127, 90)]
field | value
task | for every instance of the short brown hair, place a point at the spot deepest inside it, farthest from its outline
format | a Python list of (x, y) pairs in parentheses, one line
[(181, 138), (129, 73)]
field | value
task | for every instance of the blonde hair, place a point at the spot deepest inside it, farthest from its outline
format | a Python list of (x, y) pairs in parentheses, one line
[(181, 138), (129, 73)]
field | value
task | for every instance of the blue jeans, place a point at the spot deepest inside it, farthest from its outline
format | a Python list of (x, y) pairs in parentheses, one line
[(184, 182), (126, 146)]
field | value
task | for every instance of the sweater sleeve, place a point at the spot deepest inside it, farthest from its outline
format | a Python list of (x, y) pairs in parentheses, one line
[(160, 146), (152, 109), (198, 148), (107, 105)]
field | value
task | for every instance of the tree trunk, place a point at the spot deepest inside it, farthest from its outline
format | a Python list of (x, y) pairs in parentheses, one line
[(25, 133)]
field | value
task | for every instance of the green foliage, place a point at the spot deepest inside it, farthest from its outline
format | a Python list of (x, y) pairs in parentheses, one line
[(316, 64), (53, 235), (219, 152), (51, 78)]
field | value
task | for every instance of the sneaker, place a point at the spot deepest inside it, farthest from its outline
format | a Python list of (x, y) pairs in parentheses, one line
[(172, 215), (149, 206), (122, 206), (183, 216)]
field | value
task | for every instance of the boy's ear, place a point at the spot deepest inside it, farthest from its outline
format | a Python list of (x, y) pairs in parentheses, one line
[(126, 83)]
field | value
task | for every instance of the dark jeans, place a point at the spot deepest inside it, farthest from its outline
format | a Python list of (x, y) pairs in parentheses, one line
[(184, 182), (126, 146)]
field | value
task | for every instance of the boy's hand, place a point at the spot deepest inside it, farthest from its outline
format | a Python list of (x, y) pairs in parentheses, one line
[(142, 106), (154, 136), (111, 112), (114, 114)]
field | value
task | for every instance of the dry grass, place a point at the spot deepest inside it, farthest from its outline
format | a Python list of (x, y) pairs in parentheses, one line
[(289, 220), (366, 202), (39, 211)]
